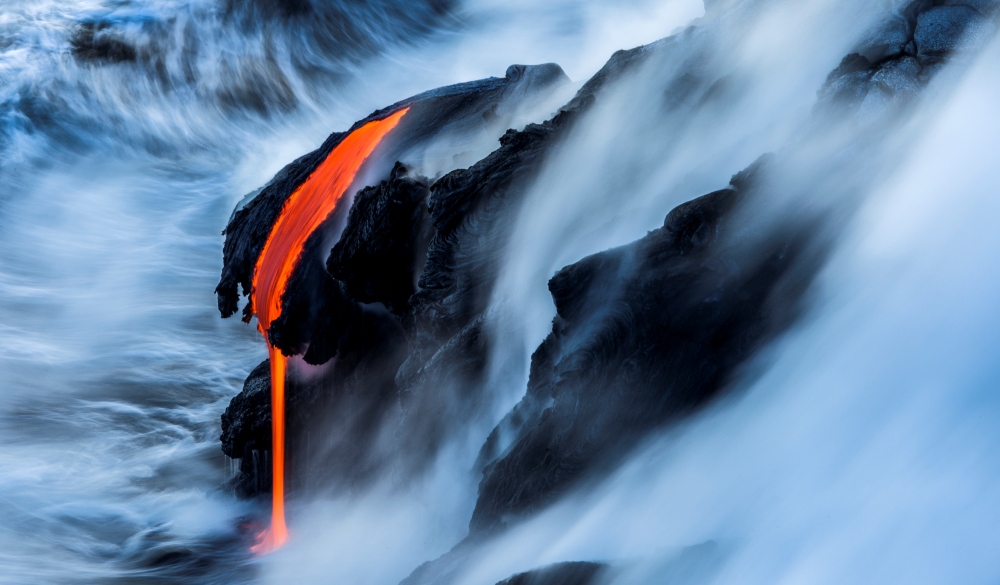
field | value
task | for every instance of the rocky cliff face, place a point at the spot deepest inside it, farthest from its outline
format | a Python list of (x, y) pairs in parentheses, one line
[(357, 310), (645, 334)]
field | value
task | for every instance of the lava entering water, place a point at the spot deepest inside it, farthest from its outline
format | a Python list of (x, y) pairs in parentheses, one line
[(303, 212)]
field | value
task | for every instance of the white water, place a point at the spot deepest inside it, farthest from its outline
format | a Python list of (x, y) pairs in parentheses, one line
[(862, 455)]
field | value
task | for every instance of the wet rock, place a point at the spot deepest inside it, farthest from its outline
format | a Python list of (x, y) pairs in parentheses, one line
[(575, 573), (246, 424), (901, 54), (256, 84), (333, 420), (96, 41), (471, 211), (945, 29), (984, 7), (644, 335), (246, 433), (359, 319), (468, 217), (455, 111), (309, 317), (887, 40), (847, 85), (898, 77), (382, 249)]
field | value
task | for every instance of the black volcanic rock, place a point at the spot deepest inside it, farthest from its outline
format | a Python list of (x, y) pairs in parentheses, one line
[(900, 55), (575, 573), (453, 111), (246, 432), (644, 335), (944, 29), (378, 258), (469, 216), (246, 428), (95, 40), (472, 211), (382, 248), (648, 333), (352, 402), (460, 227), (451, 235), (246, 424)]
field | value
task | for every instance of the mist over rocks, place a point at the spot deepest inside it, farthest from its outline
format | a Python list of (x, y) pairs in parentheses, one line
[(455, 112), (901, 54), (400, 310), (305, 39), (572, 573), (697, 564), (324, 317), (644, 335)]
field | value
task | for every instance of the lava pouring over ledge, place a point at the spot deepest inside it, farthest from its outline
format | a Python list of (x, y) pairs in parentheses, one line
[(303, 212)]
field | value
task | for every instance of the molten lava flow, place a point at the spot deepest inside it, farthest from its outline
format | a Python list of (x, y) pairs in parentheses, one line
[(303, 212)]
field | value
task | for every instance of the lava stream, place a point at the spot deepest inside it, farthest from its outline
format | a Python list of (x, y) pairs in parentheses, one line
[(302, 213)]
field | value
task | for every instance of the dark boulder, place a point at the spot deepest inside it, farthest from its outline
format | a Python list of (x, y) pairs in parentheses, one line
[(901, 54), (246, 432), (644, 335), (575, 573), (945, 29), (454, 112), (472, 213), (381, 251), (97, 41), (379, 256)]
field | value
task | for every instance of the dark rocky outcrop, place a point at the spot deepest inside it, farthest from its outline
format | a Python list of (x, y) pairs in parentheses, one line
[(471, 212), (575, 573), (454, 111), (246, 432), (354, 305), (900, 55), (381, 251), (352, 401), (644, 335), (96, 41), (647, 333)]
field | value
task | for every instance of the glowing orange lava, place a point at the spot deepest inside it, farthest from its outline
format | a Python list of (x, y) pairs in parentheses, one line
[(302, 213)]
